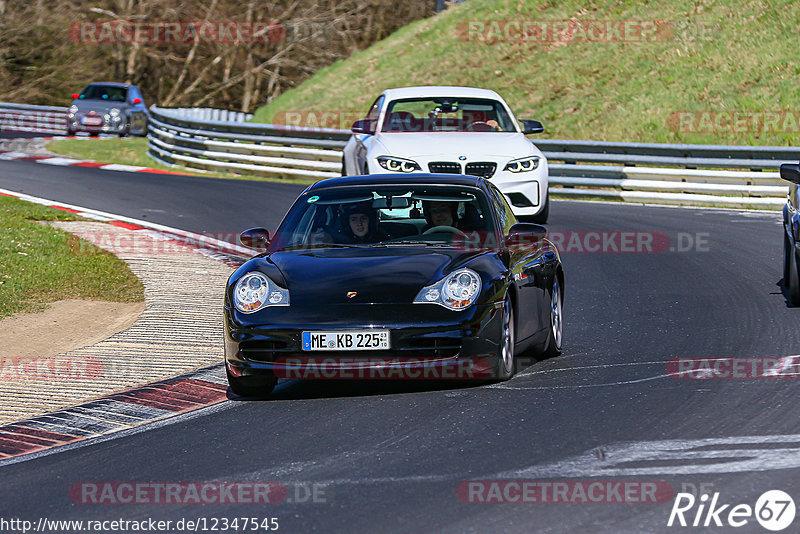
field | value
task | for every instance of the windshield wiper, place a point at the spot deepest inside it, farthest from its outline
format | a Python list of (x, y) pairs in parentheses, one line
[(315, 246), (406, 243)]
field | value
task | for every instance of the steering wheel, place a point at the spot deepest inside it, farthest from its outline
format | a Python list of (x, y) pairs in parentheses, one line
[(451, 229), (480, 126)]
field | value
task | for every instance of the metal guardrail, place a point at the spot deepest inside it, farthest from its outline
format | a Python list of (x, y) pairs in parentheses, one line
[(211, 114), (37, 119), (724, 175)]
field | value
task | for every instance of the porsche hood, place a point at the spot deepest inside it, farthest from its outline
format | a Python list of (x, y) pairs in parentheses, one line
[(375, 275)]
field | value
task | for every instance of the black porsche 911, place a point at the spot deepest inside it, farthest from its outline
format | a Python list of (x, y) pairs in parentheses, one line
[(393, 276)]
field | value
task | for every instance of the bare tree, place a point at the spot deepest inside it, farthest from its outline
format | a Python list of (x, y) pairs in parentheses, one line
[(43, 58)]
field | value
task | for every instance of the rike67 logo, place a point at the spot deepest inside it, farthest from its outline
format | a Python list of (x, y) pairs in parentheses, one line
[(774, 510)]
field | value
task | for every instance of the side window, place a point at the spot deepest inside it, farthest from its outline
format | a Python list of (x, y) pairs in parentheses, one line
[(375, 110), (507, 218)]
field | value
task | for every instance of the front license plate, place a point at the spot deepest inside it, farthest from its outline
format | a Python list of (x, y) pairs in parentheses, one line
[(347, 340), (92, 121)]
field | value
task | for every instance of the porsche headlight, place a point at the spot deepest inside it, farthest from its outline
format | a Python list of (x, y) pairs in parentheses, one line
[(398, 164), (523, 164), (456, 291), (255, 290)]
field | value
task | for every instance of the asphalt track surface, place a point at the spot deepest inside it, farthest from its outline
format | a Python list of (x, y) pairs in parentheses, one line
[(391, 456)]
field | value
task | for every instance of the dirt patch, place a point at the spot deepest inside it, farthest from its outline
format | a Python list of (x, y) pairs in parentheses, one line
[(64, 326)]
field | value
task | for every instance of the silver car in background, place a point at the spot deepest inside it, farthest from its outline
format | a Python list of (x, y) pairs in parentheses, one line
[(108, 107)]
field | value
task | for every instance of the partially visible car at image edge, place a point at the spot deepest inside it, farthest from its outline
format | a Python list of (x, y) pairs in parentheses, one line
[(454, 130), (108, 107)]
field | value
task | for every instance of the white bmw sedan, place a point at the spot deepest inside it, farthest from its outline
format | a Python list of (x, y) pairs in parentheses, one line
[(452, 130)]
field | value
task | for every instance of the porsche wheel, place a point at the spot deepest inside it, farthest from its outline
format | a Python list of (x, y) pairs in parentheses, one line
[(555, 333), (506, 361), (792, 281), (786, 260), (251, 386)]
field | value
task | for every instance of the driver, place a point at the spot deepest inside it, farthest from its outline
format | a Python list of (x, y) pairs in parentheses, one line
[(439, 213), (359, 224)]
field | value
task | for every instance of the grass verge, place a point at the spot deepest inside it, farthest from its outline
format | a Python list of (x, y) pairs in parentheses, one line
[(133, 151), (40, 264), (708, 58)]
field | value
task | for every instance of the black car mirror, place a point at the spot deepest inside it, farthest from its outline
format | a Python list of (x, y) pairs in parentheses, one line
[(525, 234), (791, 172), (531, 127), (363, 126), (257, 238)]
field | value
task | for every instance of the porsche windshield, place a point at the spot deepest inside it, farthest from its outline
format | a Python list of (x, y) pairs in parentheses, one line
[(446, 115), (385, 216)]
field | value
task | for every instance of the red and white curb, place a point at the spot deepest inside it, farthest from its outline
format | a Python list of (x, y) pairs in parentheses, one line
[(113, 413), (70, 162), (123, 411), (229, 253)]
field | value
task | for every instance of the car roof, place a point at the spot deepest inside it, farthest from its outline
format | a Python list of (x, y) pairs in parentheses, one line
[(112, 84), (399, 179), (439, 91)]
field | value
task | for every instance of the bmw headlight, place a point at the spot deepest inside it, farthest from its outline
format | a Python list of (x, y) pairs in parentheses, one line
[(398, 164), (73, 109), (255, 290), (456, 291), (523, 164)]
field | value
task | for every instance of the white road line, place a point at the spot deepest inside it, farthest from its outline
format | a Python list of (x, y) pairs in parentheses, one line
[(197, 239)]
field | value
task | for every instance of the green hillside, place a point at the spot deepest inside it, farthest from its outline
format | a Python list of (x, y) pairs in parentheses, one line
[(684, 72)]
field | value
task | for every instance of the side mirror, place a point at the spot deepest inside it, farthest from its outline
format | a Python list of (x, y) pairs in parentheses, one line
[(136, 101), (257, 238), (791, 172), (364, 126), (525, 234), (531, 127), (75, 96)]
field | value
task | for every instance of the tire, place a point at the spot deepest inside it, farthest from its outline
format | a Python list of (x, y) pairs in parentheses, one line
[(555, 335), (506, 359), (251, 386), (793, 280), (786, 260)]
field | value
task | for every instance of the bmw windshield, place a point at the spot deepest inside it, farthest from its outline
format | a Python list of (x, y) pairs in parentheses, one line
[(444, 114)]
